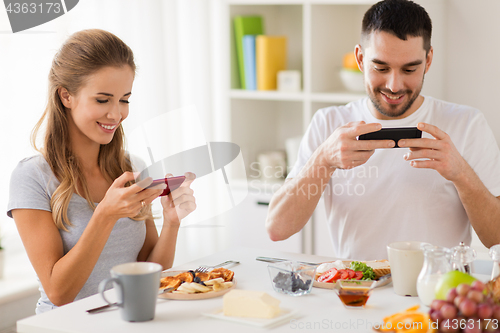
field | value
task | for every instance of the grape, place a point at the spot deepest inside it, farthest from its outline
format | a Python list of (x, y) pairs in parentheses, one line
[(458, 300), (452, 293), (484, 311), (448, 311), (437, 304), (496, 312), (463, 289), (472, 328), (467, 307), (478, 285), (436, 315), (475, 295)]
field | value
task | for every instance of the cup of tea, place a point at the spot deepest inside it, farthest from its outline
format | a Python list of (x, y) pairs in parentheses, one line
[(136, 284), (406, 260)]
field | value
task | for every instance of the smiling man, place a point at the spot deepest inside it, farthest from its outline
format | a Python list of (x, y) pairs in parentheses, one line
[(433, 189)]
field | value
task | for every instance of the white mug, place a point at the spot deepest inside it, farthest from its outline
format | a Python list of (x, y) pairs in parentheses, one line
[(136, 284), (406, 260)]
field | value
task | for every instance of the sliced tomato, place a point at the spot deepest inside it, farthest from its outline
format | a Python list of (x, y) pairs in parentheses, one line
[(359, 275), (336, 276), (344, 274), (352, 273), (328, 276)]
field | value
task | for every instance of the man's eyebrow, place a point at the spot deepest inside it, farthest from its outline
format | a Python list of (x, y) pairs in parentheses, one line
[(412, 63), (111, 95)]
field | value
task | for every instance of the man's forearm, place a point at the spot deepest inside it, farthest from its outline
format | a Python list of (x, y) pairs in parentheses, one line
[(293, 204), (483, 209)]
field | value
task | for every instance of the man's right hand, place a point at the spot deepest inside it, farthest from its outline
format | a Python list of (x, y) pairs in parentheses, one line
[(342, 150)]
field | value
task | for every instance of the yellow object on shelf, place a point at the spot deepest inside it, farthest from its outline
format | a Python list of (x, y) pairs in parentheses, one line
[(271, 57)]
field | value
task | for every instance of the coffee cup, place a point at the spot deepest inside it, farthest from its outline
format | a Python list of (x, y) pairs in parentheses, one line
[(136, 284), (406, 260)]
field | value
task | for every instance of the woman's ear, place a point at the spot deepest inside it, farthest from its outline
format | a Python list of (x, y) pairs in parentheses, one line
[(358, 52), (65, 97)]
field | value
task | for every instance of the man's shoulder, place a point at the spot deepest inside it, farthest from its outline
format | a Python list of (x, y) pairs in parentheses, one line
[(450, 109), (350, 111)]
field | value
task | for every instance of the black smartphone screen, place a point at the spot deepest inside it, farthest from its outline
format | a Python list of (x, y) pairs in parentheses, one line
[(395, 134)]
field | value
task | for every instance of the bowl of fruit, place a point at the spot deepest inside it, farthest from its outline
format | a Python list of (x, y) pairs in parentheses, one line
[(291, 277)]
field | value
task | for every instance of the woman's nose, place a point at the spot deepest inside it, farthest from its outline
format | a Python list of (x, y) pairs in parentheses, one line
[(114, 113)]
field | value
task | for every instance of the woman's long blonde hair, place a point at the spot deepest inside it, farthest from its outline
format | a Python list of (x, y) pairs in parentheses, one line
[(83, 54)]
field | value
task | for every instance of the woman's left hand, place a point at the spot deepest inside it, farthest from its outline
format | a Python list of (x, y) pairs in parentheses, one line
[(179, 203)]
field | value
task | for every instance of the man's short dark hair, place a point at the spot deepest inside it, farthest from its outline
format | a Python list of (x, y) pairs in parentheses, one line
[(402, 18)]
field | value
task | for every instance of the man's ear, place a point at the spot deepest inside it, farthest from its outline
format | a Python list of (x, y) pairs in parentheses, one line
[(65, 97), (358, 52), (428, 60)]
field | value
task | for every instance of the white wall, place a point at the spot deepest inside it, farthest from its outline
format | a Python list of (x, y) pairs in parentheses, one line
[(472, 68), (473, 57)]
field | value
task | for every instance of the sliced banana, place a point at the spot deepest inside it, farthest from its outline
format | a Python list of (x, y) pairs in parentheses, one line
[(222, 286), (193, 287), (186, 288), (214, 281), (200, 288)]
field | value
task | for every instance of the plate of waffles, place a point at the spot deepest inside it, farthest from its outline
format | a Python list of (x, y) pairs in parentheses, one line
[(189, 285)]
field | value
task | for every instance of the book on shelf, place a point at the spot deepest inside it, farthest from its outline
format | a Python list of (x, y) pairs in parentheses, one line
[(245, 25), (271, 57), (249, 62)]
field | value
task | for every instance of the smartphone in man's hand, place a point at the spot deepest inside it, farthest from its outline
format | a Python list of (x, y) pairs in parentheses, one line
[(395, 134)]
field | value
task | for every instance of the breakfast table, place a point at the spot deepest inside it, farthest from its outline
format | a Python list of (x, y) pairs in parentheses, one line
[(321, 310)]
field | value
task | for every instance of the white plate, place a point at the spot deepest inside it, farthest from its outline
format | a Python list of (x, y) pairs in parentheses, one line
[(259, 322), (197, 296), (331, 285)]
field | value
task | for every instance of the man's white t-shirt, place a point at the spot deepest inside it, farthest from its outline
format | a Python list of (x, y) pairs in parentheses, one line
[(387, 200)]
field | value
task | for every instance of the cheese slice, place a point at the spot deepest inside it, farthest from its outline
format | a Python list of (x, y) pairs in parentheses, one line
[(249, 303)]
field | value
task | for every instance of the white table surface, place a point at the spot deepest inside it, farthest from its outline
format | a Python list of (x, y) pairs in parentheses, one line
[(321, 310)]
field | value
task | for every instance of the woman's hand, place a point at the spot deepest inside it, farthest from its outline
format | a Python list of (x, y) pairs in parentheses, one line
[(179, 203), (121, 201)]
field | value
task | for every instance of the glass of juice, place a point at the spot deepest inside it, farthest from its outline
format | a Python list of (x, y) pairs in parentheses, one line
[(354, 293)]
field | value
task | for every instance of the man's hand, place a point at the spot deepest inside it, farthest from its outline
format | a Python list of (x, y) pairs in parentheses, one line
[(439, 153), (342, 150)]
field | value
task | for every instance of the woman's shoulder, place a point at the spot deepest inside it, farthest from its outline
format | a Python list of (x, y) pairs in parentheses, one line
[(32, 167), (32, 163)]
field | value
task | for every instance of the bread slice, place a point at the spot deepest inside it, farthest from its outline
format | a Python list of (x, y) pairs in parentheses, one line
[(380, 267)]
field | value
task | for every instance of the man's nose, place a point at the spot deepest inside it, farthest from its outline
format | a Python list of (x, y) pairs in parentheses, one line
[(395, 82)]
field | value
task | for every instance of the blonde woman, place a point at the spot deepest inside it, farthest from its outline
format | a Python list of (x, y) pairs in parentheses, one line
[(76, 205)]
